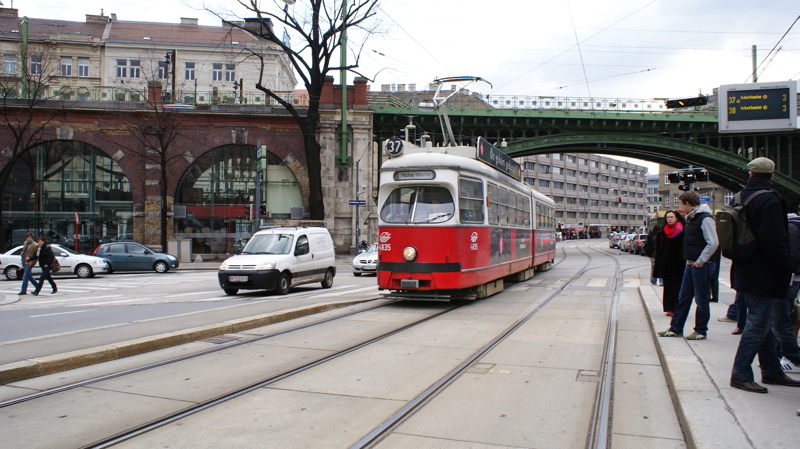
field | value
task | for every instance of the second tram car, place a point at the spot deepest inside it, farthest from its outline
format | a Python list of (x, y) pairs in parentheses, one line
[(455, 221)]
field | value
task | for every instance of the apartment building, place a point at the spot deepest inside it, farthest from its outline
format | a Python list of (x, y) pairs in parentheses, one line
[(590, 188)]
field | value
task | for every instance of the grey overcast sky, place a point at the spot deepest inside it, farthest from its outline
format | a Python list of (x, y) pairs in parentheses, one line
[(626, 49)]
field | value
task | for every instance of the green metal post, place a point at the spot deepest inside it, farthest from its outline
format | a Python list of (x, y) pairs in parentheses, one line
[(23, 28), (343, 159)]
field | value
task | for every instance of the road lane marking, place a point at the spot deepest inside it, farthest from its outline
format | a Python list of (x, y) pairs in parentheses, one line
[(60, 313), (114, 302), (355, 290), (193, 293)]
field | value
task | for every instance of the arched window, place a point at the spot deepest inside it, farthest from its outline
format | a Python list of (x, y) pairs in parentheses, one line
[(60, 182), (218, 192)]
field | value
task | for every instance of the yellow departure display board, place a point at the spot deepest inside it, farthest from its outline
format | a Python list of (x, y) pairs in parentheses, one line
[(758, 107)]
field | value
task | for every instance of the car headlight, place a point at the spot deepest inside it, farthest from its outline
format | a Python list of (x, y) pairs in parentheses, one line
[(171, 257), (223, 267), (409, 253), (266, 265)]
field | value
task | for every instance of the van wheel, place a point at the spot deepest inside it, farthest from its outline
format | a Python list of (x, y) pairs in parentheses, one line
[(328, 281), (231, 291), (284, 283)]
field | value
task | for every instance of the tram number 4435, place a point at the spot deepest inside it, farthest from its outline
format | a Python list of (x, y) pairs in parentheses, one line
[(385, 247)]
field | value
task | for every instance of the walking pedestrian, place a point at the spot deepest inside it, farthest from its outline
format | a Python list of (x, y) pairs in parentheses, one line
[(46, 258), (28, 262), (669, 263), (764, 280), (699, 245)]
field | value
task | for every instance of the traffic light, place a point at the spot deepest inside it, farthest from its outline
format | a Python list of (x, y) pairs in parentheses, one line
[(687, 102), (262, 210), (660, 201), (674, 178), (701, 175), (619, 199), (246, 211)]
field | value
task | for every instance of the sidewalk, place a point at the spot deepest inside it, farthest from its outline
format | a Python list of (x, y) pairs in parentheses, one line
[(712, 413)]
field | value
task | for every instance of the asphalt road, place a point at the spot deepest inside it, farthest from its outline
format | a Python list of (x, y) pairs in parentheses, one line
[(107, 300)]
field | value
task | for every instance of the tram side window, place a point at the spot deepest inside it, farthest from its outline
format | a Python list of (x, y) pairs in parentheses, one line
[(470, 201), (399, 205), (525, 211), (502, 207), (494, 218)]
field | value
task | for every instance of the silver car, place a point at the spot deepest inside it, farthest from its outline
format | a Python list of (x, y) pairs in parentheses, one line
[(366, 262), (80, 265)]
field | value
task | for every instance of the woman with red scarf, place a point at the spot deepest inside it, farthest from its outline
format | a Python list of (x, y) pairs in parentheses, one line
[(669, 262)]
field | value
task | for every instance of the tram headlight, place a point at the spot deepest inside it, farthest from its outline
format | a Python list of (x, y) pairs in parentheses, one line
[(409, 253)]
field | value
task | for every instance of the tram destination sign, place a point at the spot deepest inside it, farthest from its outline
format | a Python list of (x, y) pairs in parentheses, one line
[(493, 156), (758, 107)]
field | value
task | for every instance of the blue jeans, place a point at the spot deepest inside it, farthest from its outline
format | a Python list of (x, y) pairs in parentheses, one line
[(28, 277), (695, 285), (784, 328), (46, 276), (757, 338)]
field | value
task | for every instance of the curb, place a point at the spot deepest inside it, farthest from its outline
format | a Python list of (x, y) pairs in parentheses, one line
[(705, 417), (42, 366)]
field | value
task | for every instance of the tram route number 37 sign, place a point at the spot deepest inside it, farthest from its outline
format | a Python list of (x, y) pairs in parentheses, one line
[(758, 107)]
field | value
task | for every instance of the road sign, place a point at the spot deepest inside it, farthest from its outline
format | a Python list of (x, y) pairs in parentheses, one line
[(358, 202), (705, 200)]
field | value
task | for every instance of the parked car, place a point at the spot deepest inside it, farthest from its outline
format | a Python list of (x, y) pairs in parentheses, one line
[(132, 256), (638, 247), (367, 261), (624, 244), (81, 265), (613, 239)]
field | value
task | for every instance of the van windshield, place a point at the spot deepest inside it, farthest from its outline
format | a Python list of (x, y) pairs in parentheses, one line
[(269, 244)]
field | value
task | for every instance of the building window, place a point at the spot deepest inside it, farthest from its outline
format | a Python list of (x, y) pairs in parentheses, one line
[(530, 165), (571, 172), (728, 197), (162, 70), (36, 65), (230, 72), (558, 170), (572, 187), (136, 68), (583, 175), (66, 66), (570, 158), (9, 64), (122, 68), (556, 156), (216, 72), (189, 73), (544, 168), (83, 67), (558, 185), (581, 161), (544, 183), (558, 199)]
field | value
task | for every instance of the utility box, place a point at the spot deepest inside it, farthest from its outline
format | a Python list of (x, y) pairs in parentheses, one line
[(180, 248)]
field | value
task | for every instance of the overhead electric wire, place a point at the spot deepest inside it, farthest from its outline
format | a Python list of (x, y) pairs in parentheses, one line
[(570, 48), (755, 71), (578, 44)]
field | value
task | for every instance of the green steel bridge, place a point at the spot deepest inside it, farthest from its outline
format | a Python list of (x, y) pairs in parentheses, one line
[(642, 129)]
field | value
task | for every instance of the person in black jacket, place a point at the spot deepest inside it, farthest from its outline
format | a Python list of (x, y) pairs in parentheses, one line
[(46, 258), (669, 263), (764, 280)]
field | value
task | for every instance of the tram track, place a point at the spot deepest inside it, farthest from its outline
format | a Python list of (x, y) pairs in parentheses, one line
[(601, 415), (371, 438)]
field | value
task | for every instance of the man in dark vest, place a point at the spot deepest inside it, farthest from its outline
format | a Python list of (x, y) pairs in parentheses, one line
[(700, 244), (764, 280)]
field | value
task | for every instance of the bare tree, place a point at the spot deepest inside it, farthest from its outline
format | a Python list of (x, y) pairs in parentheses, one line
[(25, 109), (319, 25)]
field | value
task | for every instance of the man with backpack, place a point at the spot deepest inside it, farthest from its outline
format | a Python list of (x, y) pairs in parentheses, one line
[(763, 278)]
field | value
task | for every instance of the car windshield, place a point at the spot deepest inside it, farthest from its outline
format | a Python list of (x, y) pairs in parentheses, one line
[(372, 248), (420, 204), (269, 244)]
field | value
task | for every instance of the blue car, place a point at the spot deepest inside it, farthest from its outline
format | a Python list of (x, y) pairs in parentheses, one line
[(132, 256)]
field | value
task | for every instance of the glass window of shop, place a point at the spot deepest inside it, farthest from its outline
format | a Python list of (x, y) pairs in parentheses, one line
[(67, 190), (218, 193)]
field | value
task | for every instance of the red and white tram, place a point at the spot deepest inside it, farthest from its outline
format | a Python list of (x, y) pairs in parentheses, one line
[(456, 221)]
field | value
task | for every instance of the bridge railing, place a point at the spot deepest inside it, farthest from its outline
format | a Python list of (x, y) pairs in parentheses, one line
[(589, 104)]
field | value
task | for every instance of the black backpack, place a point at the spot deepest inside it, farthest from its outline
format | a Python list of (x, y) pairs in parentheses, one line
[(736, 239)]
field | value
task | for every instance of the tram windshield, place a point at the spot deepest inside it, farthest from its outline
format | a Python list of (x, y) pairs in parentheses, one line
[(269, 244), (420, 204)]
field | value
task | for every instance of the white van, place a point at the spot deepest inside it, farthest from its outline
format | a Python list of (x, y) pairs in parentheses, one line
[(278, 259)]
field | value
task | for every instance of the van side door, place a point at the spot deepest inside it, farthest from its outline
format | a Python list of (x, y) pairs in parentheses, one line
[(303, 271)]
